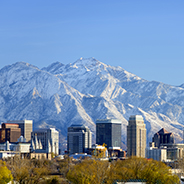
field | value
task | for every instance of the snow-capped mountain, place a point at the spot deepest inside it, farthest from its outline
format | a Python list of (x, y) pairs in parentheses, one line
[(60, 95)]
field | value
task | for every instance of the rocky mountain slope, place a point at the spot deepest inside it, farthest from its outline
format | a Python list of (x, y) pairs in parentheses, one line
[(60, 95)]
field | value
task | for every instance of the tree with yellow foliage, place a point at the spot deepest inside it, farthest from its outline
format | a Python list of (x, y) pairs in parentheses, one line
[(89, 171), (140, 168), (5, 173), (28, 171), (96, 171)]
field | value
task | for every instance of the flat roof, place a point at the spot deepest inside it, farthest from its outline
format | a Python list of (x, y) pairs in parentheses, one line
[(20, 121), (117, 121), (44, 130), (10, 123), (136, 117)]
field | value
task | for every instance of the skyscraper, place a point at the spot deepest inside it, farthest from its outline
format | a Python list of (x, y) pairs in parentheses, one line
[(163, 137), (78, 139), (108, 131), (9, 132), (136, 136), (26, 128)]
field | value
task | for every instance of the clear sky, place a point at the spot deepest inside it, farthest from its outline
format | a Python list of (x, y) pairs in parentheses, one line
[(145, 37)]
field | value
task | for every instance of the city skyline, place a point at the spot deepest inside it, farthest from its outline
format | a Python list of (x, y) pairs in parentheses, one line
[(145, 38)]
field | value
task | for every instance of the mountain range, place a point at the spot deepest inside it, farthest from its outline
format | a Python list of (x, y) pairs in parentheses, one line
[(82, 92)]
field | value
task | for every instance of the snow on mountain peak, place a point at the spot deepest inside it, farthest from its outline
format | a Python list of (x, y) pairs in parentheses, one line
[(88, 63), (87, 90), (56, 66)]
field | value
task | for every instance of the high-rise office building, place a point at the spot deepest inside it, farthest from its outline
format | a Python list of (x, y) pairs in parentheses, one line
[(108, 131), (45, 140), (163, 137), (79, 139), (26, 128), (136, 136), (9, 132)]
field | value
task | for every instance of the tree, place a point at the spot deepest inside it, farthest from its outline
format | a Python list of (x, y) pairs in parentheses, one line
[(150, 170), (64, 165), (28, 171), (53, 180), (96, 171), (5, 173), (89, 171)]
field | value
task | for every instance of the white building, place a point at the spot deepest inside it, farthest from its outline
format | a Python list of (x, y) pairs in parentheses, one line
[(159, 154), (11, 149), (45, 141)]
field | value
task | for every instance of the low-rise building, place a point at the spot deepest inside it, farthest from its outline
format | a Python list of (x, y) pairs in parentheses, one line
[(98, 150), (159, 154), (116, 152), (38, 156), (11, 149)]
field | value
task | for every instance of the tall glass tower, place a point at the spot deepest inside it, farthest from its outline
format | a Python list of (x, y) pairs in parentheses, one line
[(79, 139), (108, 131)]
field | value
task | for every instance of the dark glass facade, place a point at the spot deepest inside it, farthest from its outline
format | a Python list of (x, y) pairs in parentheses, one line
[(78, 139), (76, 144), (163, 137), (109, 133)]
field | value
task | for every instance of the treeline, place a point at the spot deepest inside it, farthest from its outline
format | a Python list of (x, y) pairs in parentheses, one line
[(89, 171), (26, 171), (95, 171)]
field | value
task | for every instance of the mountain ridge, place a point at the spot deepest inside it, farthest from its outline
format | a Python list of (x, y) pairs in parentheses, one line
[(81, 92)]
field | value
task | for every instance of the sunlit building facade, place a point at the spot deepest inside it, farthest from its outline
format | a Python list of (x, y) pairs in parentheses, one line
[(136, 136)]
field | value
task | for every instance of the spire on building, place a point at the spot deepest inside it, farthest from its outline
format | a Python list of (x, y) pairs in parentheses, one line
[(48, 147), (36, 142), (40, 144), (32, 146)]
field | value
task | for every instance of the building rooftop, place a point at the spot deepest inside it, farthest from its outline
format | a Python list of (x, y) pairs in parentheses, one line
[(136, 117), (10, 124), (163, 131), (118, 121), (20, 121), (76, 125), (44, 129)]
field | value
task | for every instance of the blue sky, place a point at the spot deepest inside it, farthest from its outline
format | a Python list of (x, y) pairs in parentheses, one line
[(143, 37)]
